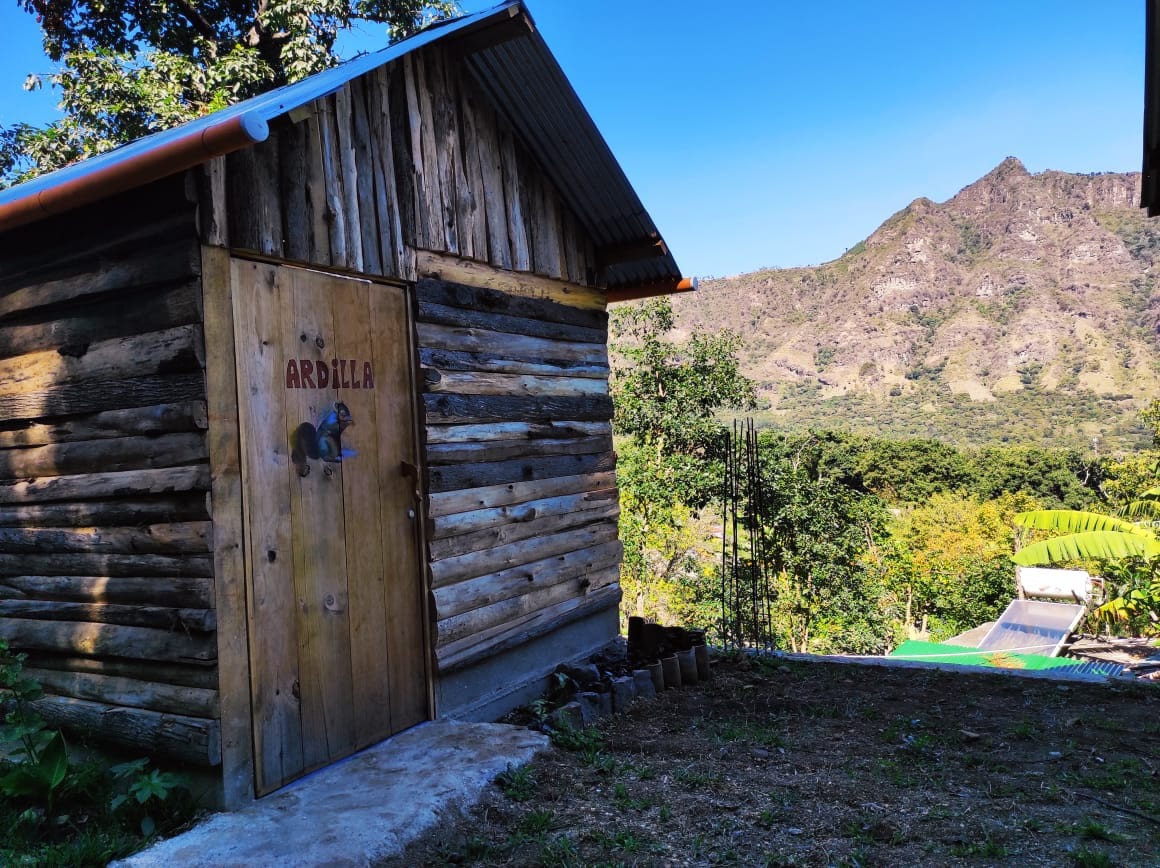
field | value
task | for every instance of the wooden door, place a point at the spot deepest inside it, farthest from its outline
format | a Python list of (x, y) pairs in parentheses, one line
[(337, 658)]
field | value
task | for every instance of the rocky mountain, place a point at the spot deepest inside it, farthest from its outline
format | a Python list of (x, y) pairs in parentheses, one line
[(1025, 308)]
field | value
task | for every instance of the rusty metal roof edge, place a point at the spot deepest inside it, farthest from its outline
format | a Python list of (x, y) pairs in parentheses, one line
[(251, 117), (556, 150), (182, 147)]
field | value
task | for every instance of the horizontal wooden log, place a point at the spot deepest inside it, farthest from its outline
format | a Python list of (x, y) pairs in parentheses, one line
[(128, 314), (450, 502), (486, 474), (161, 618), (170, 351), (107, 513), (488, 300), (499, 450), (77, 398), (108, 640), (473, 649), (122, 453), (516, 554), (114, 566), (431, 264), (131, 692), (172, 591), (150, 266), (509, 346), (498, 431), (193, 740), (476, 520), (474, 383), (191, 537), (154, 671), (485, 590), (96, 236), (188, 416), (476, 621), (504, 613), (444, 409), (85, 486), (513, 532), (458, 317), (455, 360)]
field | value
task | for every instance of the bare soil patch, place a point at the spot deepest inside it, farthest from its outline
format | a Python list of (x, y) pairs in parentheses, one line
[(774, 763)]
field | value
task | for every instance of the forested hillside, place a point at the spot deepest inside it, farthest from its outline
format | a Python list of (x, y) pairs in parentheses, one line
[(1022, 310)]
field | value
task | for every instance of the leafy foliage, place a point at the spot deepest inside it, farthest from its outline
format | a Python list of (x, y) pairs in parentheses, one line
[(946, 567), (666, 397), (41, 754), (817, 530), (58, 811), (126, 68), (1127, 553)]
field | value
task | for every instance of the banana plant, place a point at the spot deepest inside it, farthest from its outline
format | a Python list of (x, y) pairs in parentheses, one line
[(1086, 536), (1132, 546)]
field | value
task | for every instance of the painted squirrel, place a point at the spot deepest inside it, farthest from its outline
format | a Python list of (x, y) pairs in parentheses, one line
[(322, 441)]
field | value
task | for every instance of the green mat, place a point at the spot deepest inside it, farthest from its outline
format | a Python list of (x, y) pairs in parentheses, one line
[(934, 652)]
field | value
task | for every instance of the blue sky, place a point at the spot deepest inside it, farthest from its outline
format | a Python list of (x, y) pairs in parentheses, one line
[(784, 132)]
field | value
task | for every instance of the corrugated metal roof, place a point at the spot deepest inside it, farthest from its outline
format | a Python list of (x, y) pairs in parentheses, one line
[(526, 83)]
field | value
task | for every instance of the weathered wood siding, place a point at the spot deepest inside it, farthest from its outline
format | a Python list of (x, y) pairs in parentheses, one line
[(403, 173), (409, 157), (522, 495), (106, 573)]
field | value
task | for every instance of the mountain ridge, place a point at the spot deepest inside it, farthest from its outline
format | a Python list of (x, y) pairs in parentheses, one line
[(1026, 304)]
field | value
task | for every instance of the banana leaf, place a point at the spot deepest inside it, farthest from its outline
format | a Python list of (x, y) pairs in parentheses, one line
[(1074, 521), (1091, 545), (1147, 505)]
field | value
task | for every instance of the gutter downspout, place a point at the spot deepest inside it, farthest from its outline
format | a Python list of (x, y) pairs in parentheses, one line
[(183, 153), (653, 288)]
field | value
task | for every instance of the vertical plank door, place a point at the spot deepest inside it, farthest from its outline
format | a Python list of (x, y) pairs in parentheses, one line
[(334, 596)]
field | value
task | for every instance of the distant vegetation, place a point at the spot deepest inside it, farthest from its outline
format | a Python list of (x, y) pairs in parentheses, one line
[(872, 539), (924, 408)]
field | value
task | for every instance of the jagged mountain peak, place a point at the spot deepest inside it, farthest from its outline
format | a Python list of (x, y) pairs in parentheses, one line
[(1023, 291)]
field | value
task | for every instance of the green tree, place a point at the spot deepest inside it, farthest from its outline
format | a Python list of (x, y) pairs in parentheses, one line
[(127, 68), (1055, 477), (817, 531), (667, 396), (947, 565)]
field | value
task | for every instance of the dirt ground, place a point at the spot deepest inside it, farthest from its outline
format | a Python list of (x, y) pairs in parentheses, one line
[(774, 763)]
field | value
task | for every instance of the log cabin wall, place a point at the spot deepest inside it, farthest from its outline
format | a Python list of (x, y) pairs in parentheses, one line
[(522, 495), (409, 173), (409, 157), (106, 572)]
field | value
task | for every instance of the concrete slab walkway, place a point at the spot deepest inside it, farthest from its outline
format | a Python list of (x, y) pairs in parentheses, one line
[(361, 810)]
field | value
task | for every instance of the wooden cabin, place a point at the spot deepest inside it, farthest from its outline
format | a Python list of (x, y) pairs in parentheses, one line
[(304, 415)]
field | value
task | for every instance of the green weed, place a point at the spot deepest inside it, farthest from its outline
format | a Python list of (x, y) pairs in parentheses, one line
[(517, 783), (537, 822), (988, 848), (692, 778), (626, 801), (1027, 730), (768, 818), (559, 853), (578, 740), (1085, 857)]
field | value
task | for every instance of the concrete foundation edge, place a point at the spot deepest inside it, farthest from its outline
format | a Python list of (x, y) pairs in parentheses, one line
[(472, 693)]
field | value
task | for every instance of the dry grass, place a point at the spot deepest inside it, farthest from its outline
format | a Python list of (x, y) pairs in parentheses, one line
[(828, 764)]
